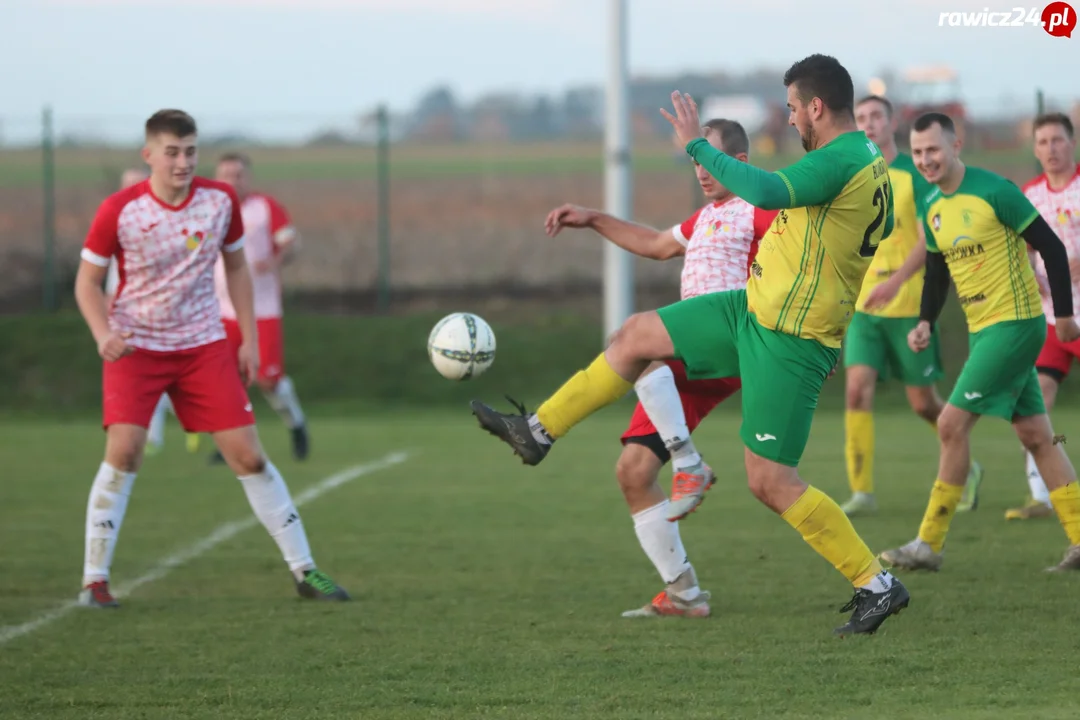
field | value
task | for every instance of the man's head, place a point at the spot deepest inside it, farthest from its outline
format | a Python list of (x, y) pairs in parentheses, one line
[(1055, 143), (132, 176), (819, 94), (935, 149), (171, 148), (730, 138), (235, 169), (874, 116)]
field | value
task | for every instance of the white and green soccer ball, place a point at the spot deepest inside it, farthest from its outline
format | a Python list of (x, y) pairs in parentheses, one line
[(461, 346)]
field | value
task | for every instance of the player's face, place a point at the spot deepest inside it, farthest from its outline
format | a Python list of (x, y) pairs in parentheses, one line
[(172, 159), (710, 187), (934, 152), (1055, 150), (236, 174), (872, 118), (800, 117)]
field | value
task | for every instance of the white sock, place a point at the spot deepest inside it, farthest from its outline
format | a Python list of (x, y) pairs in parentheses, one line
[(272, 504), (285, 403), (881, 582), (104, 514), (660, 398), (156, 433), (539, 432), (1035, 482), (661, 542)]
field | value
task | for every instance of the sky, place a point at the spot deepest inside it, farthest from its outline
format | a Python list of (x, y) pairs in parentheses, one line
[(291, 66)]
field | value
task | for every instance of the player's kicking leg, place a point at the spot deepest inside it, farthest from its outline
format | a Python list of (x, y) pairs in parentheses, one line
[(210, 398)]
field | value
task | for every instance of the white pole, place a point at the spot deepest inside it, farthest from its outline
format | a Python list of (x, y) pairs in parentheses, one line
[(618, 190)]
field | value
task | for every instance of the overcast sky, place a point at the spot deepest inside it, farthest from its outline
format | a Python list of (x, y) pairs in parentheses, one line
[(299, 63)]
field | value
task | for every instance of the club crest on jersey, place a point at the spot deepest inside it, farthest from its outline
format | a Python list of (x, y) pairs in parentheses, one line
[(196, 239), (966, 217), (779, 225), (935, 222)]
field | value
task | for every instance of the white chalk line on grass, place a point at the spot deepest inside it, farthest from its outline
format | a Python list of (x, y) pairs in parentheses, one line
[(223, 533)]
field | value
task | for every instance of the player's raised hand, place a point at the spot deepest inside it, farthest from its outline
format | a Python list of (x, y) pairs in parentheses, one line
[(685, 121), (919, 337), (1067, 330), (247, 357), (572, 216), (115, 346)]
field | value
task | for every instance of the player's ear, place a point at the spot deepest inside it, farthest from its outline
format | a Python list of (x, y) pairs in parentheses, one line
[(145, 153), (743, 157)]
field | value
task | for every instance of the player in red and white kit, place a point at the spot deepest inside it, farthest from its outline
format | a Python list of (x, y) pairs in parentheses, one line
[(163, 333), (719, 242), (1056, 195), (269, 241)]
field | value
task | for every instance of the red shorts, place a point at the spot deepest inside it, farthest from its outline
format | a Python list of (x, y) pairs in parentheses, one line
[(699, 397), (271, 346), (1056, 356), (203, 383)]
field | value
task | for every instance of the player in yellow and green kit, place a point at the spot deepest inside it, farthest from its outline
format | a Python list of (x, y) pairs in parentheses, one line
[(977, 223), (876, 346), (781, 335)]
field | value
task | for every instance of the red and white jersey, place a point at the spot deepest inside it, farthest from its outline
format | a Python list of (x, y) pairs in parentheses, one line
[(721, 240), (1061, 211), (267, 228), (165, 259)]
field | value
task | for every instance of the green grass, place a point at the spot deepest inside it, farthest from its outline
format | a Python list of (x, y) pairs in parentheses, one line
[(87, 166), (486, 589)]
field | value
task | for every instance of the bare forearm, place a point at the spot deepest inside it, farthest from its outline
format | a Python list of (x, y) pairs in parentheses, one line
[(915, 261), (93, 306), (242, 295), (640, 240)]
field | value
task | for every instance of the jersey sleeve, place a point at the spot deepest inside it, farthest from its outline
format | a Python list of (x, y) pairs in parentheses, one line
[(234, 237), (281, 227), (1012, 206), (685, 230), (816, 178), (763, 220), (103, 240)]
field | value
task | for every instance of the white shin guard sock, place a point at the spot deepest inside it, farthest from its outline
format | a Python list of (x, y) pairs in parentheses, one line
[(660, 398), (660, 540), (286, 404), (104, 515), (273, 506), (1035, 482)]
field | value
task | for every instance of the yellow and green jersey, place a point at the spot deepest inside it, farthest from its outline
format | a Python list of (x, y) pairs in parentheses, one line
[(836, 205), (977, 229), (909, 188)]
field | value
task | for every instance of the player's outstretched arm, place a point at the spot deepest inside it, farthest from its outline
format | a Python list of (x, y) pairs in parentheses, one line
[(641, 240), (884, 293), (1045, 241), (810, 181)]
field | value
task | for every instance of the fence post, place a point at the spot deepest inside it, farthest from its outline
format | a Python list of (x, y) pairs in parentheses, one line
[(48, 174), (1040, 108), (382, 171)]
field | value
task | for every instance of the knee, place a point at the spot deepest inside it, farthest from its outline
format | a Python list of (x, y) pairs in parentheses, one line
[(859, 393), (1035, 439), (950, 429), (925, 405), (636, 473), (627, 337), (126, 458)]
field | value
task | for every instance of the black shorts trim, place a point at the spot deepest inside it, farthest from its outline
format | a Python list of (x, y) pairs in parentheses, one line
[(1051, 372), (654, 443)]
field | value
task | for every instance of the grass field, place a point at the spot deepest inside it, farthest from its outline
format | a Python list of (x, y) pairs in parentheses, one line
[(483, 588), (486, 589)]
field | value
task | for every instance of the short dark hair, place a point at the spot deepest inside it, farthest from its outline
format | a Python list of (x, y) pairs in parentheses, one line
[(174, 122), (927, 120), (878, 99), (823, 77), (732, 135), (237, 157), (1054, 118)]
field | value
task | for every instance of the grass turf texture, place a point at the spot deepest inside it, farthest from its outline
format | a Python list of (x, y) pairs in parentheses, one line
[(486, 589)]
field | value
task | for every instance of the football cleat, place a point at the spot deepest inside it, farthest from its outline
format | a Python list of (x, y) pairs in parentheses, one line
[(97, 594), (916, 555), (688, 489), (870, 609), (317, 585), (513, 430)]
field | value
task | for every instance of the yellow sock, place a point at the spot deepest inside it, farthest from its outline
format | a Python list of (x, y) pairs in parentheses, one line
[(1066, 501), (582, 395), (859, 449), (826, 528), (939, 514)]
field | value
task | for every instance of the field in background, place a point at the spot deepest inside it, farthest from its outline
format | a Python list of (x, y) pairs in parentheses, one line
[(464, 219)]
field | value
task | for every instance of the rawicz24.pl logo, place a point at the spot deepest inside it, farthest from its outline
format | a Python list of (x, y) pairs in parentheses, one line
[(1057, 18)]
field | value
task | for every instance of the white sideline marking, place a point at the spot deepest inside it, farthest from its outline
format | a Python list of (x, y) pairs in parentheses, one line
[(225, 532)]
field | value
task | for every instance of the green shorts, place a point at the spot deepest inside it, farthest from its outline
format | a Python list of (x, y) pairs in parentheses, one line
[(716, 336), (999, 376), (881, 343)]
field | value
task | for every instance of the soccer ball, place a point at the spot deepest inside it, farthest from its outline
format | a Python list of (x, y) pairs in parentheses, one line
[(461, 346)]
